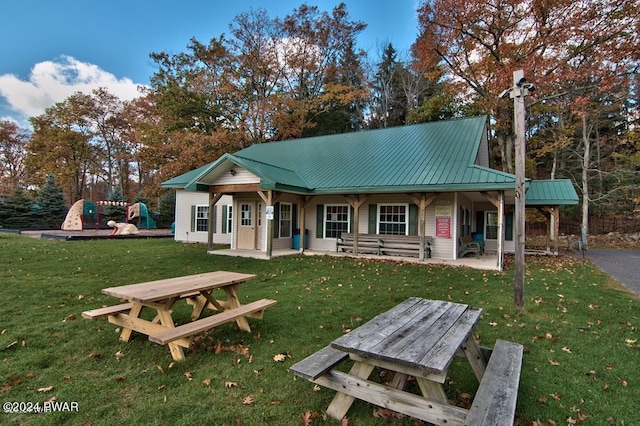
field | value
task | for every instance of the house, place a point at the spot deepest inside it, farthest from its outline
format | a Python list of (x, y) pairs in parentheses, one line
[(432, 180)]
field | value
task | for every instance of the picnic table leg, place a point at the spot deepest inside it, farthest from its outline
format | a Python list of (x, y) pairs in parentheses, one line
[(125, 335), (234, 302), (432, 390), (475, 357), (342, 402), (166, 320)]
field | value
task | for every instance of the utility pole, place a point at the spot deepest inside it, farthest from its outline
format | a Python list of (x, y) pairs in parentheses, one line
[(520, 89)]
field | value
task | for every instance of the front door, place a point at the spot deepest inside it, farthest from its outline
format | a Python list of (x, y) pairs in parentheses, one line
[(247, 226)]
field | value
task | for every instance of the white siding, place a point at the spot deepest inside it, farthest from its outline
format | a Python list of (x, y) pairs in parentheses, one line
[(237, 176), (184, 202)]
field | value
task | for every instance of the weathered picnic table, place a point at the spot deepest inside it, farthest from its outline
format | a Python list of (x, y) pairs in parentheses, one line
[(419, 338), (161, 295)]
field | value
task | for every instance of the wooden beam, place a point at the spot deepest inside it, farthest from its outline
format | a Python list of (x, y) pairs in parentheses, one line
[(356, 201), (246, 187), (213, 199), (492, 199)]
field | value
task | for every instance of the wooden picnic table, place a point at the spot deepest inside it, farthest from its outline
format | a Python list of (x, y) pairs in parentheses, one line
[(418, 338), (161, 295)]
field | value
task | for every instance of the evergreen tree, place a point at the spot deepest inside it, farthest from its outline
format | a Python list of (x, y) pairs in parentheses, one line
[(52, 209), (17, 211), (167, 209)]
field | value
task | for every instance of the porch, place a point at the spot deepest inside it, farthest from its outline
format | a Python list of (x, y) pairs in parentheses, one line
[(484, 262)]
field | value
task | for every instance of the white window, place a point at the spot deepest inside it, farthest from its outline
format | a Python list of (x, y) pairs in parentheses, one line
[(285, 220), (393, 219), (336, 220), (491, 226), (202, 219), (229, 218)]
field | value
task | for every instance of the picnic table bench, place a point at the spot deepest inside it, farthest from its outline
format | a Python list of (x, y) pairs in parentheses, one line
[(419, 338), (380, 244), (161, 295)]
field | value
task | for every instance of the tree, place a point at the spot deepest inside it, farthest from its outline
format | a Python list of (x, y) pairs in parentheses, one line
[(17, 211), (52, 209), (12, 144), (58, 145), (579, 54)]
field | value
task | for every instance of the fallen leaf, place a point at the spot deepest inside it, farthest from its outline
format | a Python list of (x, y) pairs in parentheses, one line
[(188, 375), (119, 355), (306, 418), (552, 362), (45, 389), (230, 385), (206, 382), (248, 400), (279, 357), (567, 350)]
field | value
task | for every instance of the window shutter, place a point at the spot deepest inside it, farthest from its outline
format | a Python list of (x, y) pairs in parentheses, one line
[(320, 221), (508, 227), (294, 218), (373, 218), (193, 218), (413, 219), (352, 224), (215, 218), (224, 219), (276, 220)]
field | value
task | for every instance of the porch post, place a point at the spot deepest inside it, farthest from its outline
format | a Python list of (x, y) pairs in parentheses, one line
[(213, 199), (303, 200), (422, 201), (356, 202), (500, 231), (555, 214), (269, 202)]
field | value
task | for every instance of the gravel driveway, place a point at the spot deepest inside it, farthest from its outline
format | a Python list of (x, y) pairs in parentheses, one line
[(623, 265)]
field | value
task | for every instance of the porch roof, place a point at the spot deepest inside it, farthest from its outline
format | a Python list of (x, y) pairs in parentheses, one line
[(551, 192)]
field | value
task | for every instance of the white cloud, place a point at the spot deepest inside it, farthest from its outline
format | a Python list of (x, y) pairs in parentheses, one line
[(53, 81)]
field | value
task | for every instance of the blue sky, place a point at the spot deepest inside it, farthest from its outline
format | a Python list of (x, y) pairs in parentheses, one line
[(52, 49)]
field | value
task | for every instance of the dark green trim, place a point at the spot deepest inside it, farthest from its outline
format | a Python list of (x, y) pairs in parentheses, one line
[(320, 221)]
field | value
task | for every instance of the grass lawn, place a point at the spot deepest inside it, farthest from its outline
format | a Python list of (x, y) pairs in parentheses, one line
[(579, 329)]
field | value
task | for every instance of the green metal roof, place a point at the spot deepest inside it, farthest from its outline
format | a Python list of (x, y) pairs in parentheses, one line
[(551, 192), (436, 157), (421, 155)]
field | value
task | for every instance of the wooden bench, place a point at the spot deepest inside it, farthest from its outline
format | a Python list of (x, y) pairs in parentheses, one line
[(317, 364), (367, 243), (407, 245), (495, 400), (468, 245), (106, 311), (192, 328)]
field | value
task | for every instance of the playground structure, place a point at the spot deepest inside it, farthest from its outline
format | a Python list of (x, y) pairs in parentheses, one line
[(85, 211), (122, 228)]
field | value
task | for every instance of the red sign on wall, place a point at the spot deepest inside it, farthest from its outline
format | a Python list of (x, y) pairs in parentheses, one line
[(443, 226)]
